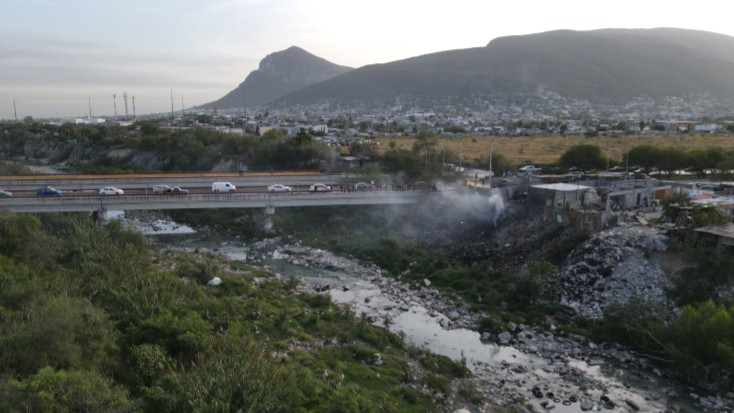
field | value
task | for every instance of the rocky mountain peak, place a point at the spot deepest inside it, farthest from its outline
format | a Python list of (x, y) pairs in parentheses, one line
[(297, 65), (278, 74)]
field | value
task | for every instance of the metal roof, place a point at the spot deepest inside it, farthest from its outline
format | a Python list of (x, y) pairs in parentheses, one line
[(722, 230), (562, 187)]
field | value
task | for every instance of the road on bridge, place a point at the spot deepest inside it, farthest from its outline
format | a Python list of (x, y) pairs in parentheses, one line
[(101, 203), (143, 183)]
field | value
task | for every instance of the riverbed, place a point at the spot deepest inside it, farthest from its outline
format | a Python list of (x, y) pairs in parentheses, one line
[(548, 371)]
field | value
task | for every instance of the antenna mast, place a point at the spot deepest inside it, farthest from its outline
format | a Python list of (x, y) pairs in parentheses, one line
[(124, 96), (114, 101), (134, 115)]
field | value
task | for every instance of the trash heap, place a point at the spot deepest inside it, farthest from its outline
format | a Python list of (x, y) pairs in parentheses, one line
[(614, 266)]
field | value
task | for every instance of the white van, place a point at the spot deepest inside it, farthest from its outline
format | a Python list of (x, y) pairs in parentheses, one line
[(223, 187), (161, 189)]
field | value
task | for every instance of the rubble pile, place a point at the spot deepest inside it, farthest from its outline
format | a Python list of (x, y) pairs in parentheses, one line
[(612, 267)]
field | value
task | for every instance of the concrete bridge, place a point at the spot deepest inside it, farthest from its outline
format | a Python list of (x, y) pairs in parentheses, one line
[(80, 192), (97, 203)]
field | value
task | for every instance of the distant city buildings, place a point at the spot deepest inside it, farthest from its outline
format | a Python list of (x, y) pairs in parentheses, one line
[(536, 114)]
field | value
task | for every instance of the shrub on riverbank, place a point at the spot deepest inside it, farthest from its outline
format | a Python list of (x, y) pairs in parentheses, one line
[(149, 335)]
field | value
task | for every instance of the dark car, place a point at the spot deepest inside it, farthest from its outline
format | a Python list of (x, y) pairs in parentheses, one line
[(361, 186), (177, 190), (48, 191)]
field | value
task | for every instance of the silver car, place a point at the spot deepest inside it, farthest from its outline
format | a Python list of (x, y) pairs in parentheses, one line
[(111, 190)]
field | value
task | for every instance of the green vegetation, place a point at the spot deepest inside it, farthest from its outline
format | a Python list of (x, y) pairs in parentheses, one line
[(92, 319), (586, 157), (189, 149), (14, 169), (373, 235), (698, 342)]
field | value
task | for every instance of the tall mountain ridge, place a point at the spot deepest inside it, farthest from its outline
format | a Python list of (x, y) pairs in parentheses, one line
[(278, 74), (605, 66)]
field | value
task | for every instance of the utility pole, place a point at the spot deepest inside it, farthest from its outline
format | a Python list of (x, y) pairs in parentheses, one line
[(491, 150), (461, 140)]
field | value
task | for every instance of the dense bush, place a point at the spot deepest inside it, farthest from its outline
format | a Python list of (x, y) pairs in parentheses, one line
[(97, 321)]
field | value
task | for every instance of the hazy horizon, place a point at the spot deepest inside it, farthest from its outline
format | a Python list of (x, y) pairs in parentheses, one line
[(59, 57)]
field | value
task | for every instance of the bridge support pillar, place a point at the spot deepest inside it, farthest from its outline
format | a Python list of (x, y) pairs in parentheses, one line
[(99, 216), (268, 222)]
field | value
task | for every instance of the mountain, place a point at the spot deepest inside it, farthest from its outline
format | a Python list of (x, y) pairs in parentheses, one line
[(279, 73), (599, 66)]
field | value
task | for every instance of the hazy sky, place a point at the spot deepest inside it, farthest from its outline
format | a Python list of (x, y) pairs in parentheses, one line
[(58, 55)]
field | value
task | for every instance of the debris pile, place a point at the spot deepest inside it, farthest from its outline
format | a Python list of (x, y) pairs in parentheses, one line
[(613, 267)]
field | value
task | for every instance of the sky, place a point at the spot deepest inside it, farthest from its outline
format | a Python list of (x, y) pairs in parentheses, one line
[(59, 58)]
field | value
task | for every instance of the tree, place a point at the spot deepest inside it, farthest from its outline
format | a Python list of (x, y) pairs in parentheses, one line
[(587, 157), (671, 160), (63, 332), (302, 138), (425, 142), (51, 391), (644, 155)]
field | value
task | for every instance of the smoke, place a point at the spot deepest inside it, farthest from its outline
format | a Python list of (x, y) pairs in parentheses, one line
[(460, 204), (450, 214)]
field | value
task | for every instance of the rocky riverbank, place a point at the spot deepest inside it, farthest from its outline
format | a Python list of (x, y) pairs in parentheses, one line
[(549, 370), (528, 366)]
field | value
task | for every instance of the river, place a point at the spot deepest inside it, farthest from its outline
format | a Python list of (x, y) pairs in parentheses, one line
[(538, 366)]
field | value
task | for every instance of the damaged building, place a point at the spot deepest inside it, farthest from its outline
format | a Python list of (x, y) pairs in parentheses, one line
[(595, 203)]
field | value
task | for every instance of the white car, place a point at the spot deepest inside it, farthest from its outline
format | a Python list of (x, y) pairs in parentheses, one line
[(279, 188), (529, 169), (320, 188), (111, 190)]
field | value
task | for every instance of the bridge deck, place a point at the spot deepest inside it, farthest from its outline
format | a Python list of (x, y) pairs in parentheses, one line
[(204, 201)]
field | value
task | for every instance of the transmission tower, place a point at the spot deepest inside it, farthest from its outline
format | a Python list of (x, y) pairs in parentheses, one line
[(124, 96)]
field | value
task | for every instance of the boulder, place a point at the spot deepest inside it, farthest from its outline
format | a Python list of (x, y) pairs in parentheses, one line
[(504, 337)]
